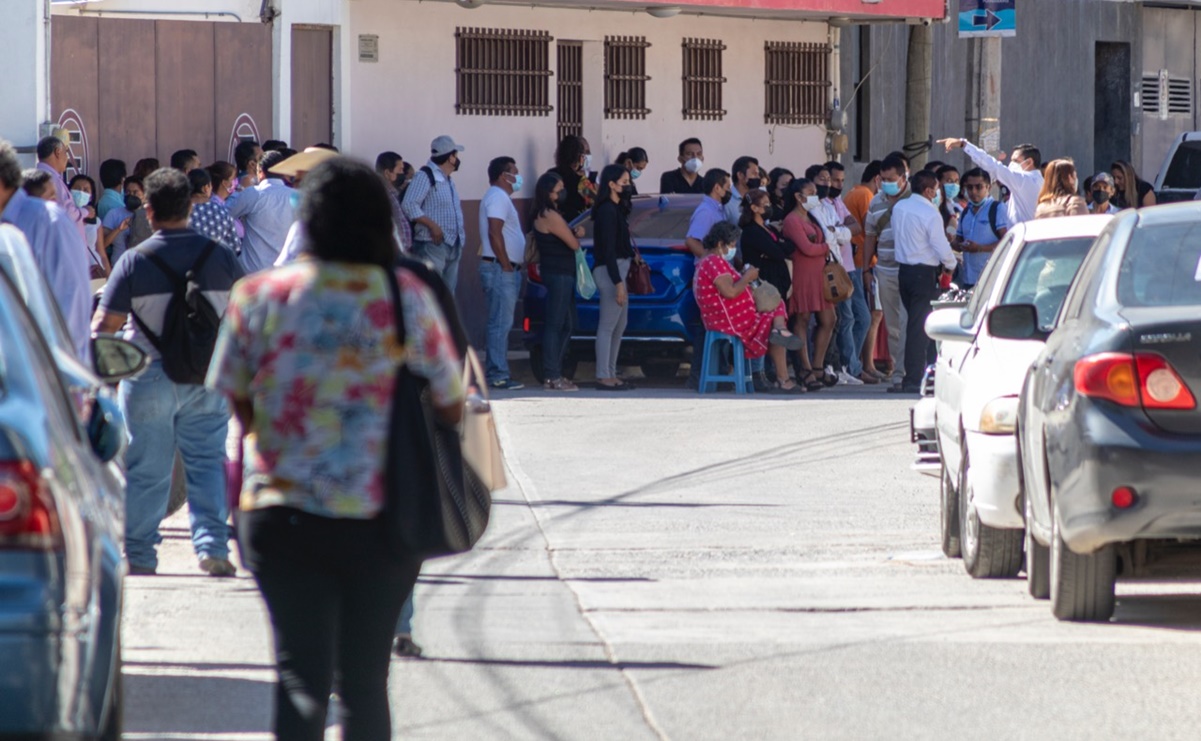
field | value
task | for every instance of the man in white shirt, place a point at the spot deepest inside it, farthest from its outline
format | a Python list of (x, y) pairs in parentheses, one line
[(1023, 176), (500, 266), (921, 249)]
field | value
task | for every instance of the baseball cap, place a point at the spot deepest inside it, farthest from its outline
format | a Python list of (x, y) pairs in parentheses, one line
[(444, 145), (1103, 177), (303, 161)]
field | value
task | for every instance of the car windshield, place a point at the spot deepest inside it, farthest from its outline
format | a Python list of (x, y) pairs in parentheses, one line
[(1162, 266), (1043, 274), (652, 220), (1184, 172)]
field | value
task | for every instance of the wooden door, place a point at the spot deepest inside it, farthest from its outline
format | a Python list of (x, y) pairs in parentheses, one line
[(312, 86)]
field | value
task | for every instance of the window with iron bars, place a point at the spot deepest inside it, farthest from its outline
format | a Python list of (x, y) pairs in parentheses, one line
[(796, 81), (502, 72), (703, 80), (625, 77)]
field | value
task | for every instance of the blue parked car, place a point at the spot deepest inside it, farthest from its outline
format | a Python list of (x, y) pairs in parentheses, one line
[(659, 336), (61, 517)]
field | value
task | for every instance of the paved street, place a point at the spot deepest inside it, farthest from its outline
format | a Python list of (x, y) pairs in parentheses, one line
[(668, 566)]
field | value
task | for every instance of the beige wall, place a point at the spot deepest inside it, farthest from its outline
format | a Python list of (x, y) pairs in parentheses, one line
[(408, 97)]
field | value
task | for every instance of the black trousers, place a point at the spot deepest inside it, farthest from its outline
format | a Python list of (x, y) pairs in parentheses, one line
[(918, 285), (334, 591)]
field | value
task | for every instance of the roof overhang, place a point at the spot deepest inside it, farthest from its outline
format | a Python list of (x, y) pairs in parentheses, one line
[(814, 10)]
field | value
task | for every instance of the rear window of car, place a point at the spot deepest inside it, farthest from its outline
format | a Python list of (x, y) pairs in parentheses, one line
[(1043, 274), (650, 221), (1184, 171), (1162, 266)]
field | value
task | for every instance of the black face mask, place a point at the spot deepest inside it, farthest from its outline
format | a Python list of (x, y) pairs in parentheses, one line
[(1101, 196), (457, 163), (835, 192), (132, 203), (726, 198), (823, 192), (753, 184)]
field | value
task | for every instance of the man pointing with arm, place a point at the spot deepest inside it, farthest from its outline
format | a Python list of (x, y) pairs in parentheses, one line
[(1023, 176)]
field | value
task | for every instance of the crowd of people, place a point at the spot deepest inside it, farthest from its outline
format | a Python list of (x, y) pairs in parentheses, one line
[(285, 246)]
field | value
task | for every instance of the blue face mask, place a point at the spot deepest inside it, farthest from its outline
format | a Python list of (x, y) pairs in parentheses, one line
[(294, 197), (890, 189), (517, 183), (635, 173), (937, 198), (951, 189)]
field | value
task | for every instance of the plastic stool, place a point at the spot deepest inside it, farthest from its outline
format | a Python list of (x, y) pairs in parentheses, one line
[(710, 376)]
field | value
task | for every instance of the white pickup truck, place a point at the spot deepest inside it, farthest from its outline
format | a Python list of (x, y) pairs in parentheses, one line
[(1179, 177)]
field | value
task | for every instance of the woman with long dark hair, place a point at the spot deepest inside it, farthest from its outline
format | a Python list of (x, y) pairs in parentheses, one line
[(802, 228), (636, 161), (762, 245), (1131, 190), (83, 191), (557, 245), (778, 181), (571, 164), (611, 252), (308, 355)]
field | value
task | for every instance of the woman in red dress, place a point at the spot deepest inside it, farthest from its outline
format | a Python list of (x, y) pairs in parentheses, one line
[(808, 262), (727, 305)]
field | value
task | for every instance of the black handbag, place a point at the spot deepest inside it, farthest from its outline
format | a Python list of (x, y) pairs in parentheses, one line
[(434, 504)]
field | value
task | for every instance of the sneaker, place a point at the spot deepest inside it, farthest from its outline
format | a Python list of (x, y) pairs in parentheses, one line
[(404, 647), (506, 384), (846, 379), (560, 384), (217, 566)]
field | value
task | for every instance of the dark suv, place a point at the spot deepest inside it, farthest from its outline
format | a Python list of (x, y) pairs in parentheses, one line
[(661, 326)]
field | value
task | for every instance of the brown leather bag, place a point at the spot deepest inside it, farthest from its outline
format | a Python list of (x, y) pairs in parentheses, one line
[(836, 283), (638, 281)]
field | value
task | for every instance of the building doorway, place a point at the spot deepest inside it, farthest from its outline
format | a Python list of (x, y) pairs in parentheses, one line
[(312, 86)]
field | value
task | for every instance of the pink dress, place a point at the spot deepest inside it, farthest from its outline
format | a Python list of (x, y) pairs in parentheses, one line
[(733, 316), (807, 264)]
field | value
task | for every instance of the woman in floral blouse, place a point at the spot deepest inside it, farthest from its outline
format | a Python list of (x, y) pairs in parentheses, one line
[(308, 355)]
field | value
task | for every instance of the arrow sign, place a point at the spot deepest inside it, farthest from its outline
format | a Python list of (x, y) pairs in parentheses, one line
[(988, 19)]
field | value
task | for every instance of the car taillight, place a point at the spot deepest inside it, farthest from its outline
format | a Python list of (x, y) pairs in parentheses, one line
[(28, 517), (534, 273), (1144, 379)]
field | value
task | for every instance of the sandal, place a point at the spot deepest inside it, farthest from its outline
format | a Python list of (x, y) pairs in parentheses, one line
[(779, 388), (560, 384), (811, 381), (787, 341)]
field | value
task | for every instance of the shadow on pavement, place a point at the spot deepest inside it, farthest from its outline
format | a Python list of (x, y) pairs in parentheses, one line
[(610, 503), (573, 664), (1167, 611), (458, 578), (190, 703)]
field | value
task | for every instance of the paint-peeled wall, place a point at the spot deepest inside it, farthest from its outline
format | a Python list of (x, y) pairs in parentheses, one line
[(407, 98)]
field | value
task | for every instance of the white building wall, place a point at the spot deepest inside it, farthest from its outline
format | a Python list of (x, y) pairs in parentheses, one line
[(24, 84), (408, 97)]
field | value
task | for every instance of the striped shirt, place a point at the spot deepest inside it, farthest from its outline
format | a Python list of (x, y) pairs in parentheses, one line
[(879, 225)]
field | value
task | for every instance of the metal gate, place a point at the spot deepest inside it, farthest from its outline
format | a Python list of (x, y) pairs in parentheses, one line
[(1167, 89), (570, 88)]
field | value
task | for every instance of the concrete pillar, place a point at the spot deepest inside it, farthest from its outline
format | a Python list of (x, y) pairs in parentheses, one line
[(24, 86)]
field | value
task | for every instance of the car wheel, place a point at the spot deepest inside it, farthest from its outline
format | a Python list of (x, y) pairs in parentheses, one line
[(115, 712), (660, 369), (179, 486), (1038, 562), (1081, 586), (948, 514), (988, 552)]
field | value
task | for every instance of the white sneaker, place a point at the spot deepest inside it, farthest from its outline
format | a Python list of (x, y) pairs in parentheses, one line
[(846, 379)]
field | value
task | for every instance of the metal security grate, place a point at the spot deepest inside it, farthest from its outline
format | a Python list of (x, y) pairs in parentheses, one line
[(625, 77), (796, 81), (502, 72), (1180, 95), (570, 87), (703, 79)]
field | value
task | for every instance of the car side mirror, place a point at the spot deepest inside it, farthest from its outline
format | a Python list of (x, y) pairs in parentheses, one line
[(115, 359), (946, 325), (106, 428), (1015, 322)]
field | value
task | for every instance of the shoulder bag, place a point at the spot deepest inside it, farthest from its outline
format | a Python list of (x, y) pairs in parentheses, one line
[(836, 283), (638, 280), (435, 504)]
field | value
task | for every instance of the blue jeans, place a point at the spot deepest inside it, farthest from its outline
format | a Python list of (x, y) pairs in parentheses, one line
[(560, 322), (500, 292), (404, 626), (443, 258), (854, 319), (163, 416)]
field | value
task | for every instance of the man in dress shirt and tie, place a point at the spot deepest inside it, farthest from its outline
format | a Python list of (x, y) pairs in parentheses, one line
[(921, 249)]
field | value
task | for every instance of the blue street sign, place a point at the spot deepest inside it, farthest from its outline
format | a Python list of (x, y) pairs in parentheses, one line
[(987, 18)]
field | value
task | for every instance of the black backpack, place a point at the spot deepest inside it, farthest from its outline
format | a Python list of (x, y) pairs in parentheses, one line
[(190, 323), (992, 217)]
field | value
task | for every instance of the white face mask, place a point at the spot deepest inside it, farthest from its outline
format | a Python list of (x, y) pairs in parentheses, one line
[(1014, 166), (811, 202), (693, 165), (587, 163), (729, 255)]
